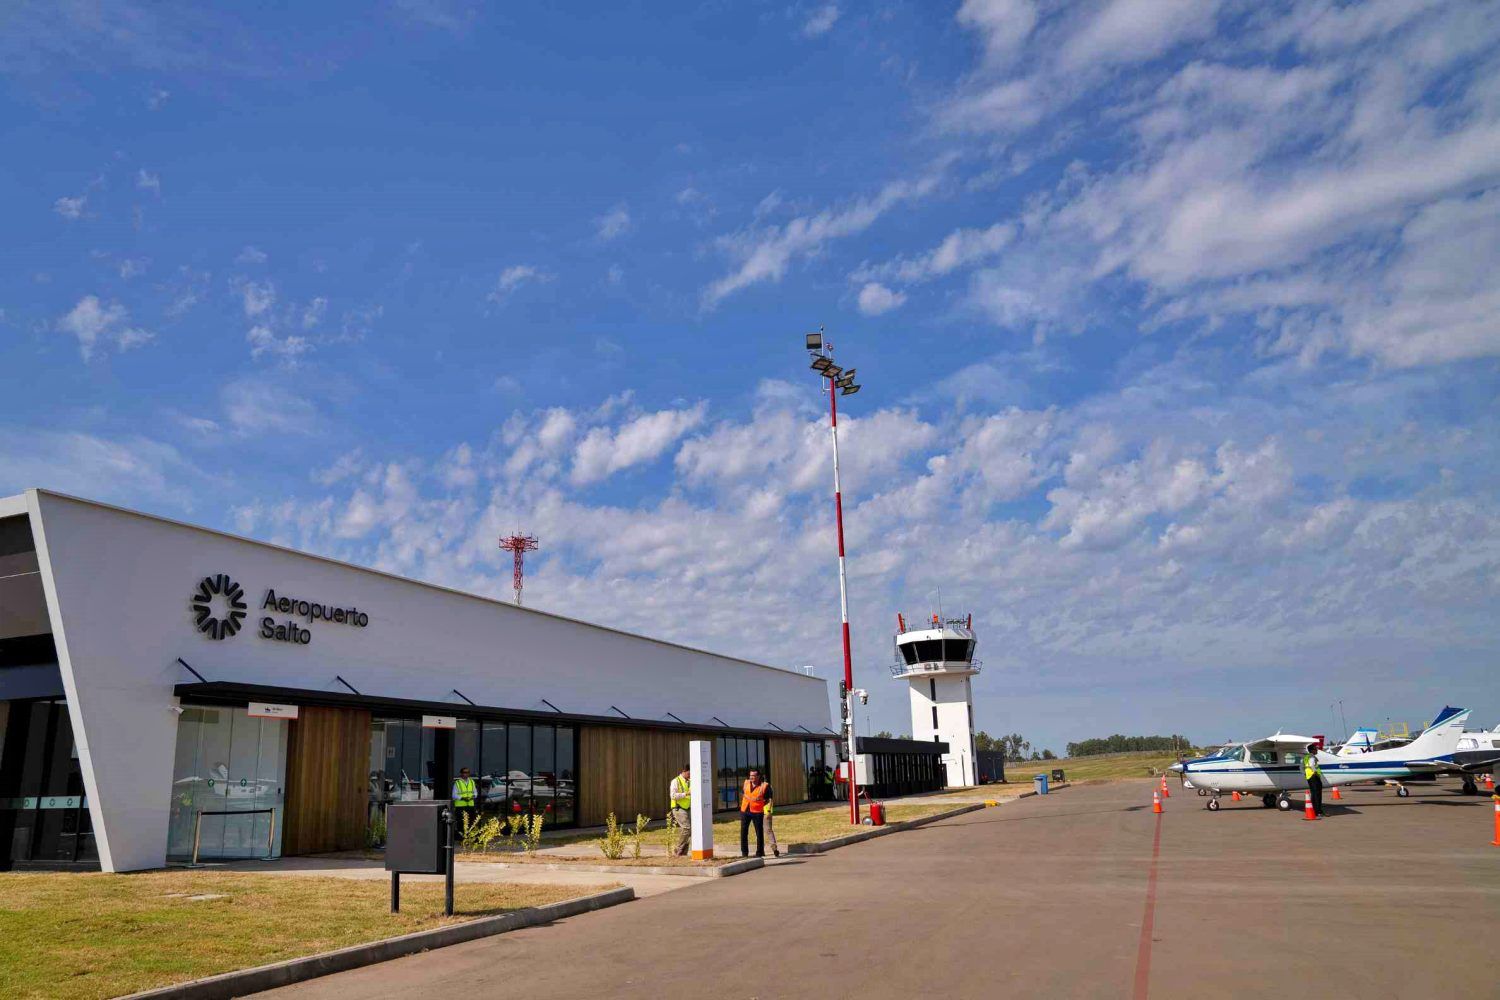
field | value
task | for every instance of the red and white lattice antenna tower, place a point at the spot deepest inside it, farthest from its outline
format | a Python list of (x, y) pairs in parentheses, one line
[(518, 545)]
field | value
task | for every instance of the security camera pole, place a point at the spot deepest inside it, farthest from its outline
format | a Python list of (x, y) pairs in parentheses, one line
[(839, 382)]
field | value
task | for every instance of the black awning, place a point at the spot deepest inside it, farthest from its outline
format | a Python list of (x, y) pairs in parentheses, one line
[(235, 693), (880, 744)]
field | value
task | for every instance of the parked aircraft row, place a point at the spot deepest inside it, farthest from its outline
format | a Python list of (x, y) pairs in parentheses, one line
[(1273, 767)]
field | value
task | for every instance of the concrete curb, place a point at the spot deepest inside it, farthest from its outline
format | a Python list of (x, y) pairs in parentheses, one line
[(266, 977), (880, 831), (707, 871)]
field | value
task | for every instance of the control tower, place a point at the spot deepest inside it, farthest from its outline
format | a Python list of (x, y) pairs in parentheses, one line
[(936, 658)]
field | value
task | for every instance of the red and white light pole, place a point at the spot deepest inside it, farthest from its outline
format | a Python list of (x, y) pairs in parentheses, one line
[(838, 382)]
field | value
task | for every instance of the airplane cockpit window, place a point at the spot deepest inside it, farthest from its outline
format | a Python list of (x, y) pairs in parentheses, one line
[(1262, 756)]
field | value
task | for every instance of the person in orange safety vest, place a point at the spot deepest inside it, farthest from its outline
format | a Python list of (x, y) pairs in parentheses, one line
[(754, 797)]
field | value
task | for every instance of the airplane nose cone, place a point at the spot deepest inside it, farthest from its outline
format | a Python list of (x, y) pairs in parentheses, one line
[(1179, 768)]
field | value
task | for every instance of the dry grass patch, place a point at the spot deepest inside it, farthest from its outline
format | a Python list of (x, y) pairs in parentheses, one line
[(67, 935), (810, 824)]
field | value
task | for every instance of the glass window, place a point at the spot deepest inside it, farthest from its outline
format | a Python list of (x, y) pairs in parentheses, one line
[(466, 746), (518, 776), (543, 772), (493, 785), (566, 792)]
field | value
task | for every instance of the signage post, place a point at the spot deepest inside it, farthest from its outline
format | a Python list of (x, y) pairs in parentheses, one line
[(701, 766)]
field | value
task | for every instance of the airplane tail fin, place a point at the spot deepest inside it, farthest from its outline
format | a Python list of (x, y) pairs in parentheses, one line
[(1441, 736), (1360, 742)]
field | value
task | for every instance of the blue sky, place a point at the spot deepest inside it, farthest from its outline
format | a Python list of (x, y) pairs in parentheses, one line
[(1175, 318)]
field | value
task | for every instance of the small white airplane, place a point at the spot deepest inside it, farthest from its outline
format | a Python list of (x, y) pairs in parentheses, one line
[(1272, 767)]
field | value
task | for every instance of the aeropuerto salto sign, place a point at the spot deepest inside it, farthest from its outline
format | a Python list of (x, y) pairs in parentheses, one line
[(310, 611)]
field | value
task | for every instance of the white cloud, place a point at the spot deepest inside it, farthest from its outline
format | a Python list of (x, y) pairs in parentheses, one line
[(514, 277), (875, 299), (958, 250), (133, 267), (764, 253), (1126, 31), (264, 341), (602, 452), (130, 469), (820, 21), (257, 406), (612, 224), (251, 255), (157, 98), (97, 325), (257, 297), (1003, 24), (147, 181), (313, 312), (71, 208)]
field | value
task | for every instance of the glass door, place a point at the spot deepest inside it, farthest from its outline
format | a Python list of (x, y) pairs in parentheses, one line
[(228, 785), (44, 817)]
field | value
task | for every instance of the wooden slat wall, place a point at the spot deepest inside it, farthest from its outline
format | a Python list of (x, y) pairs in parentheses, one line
[(327, 787), (787, 774), (626, 771)]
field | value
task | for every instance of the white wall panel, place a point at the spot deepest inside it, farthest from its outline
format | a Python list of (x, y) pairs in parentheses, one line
[(119, 586)]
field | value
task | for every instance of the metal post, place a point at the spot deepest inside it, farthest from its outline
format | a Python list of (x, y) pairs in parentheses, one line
[(197, 832), (448, 875), (395, 892), (838, 510)]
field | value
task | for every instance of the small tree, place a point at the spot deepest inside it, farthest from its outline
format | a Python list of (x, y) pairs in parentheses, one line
[(612, 844)]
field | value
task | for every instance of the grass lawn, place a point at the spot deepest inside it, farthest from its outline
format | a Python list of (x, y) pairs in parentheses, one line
[(812, 823), (1106, 767), (69, 935)]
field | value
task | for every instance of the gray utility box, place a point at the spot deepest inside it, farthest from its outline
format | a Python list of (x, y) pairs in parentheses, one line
[(415, 835)]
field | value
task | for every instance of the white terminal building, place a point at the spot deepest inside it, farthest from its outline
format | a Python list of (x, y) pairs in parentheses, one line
[(166, 688), (936, 658)]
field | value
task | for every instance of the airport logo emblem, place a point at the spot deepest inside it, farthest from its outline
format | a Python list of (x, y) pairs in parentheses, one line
[(218, 607)]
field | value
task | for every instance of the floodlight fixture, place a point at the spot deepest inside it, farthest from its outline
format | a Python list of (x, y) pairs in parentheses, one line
[(848, 373), (850, 390), (846, 379), (833, 370), (821, 364), (815, 341)]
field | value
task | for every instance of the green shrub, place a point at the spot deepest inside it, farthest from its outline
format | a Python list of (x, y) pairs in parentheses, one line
[(531, 834), (478, 832), (612, 844), (375, 832), (638, 834)]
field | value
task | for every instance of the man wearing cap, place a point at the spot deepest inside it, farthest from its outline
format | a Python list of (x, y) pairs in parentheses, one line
[(1314, 775)]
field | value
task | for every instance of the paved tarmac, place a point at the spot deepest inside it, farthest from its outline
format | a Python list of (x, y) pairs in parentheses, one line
[(1050, 896)]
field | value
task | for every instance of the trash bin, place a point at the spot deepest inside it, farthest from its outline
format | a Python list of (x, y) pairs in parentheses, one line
[(877, 814), (1039, 782)]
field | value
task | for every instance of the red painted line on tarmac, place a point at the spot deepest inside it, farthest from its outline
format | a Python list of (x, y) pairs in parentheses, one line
[(1148, 922)]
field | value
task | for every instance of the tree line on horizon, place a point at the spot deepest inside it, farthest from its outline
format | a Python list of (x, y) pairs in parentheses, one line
[(1120, 743)]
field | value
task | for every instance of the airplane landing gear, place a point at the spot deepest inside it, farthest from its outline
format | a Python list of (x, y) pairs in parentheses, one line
[(1213, 804), (1402, 791), (1284, 802), (1202, 792), (1269, 801), (1470, 787)]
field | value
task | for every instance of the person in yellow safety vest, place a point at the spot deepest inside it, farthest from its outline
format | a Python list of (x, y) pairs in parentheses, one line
[(680, 797), (753, 799), (771, 819), (465, 792), (1314, 775)]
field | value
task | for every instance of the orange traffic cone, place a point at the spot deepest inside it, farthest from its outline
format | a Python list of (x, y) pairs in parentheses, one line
[(1164, 793), (1156, 803), (1489, 782), (1496, 841), (1307, 806), (1236, 796), (1336, 796)]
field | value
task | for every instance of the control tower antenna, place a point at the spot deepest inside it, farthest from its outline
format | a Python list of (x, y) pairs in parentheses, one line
[(518, 545)]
